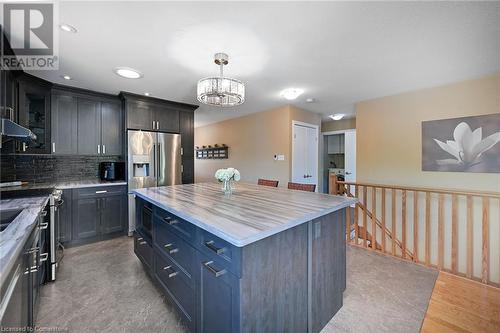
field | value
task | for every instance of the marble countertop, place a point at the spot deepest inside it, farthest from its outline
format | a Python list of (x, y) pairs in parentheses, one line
[(64, 185), (251, 213), (13, 238)]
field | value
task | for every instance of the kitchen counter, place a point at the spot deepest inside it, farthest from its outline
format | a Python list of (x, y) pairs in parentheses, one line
[(251, 213), (13, 238), (64, 185)]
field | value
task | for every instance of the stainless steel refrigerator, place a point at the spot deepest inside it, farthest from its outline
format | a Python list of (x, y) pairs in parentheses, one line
[(154, 159)]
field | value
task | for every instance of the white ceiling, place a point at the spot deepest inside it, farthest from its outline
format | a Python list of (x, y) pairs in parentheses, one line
[(338, 52)]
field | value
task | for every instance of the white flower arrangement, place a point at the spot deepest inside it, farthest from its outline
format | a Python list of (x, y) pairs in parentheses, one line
[(227, 174)]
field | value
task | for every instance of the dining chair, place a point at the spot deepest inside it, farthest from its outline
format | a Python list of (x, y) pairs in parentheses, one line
[(302, 187), (267, 182)]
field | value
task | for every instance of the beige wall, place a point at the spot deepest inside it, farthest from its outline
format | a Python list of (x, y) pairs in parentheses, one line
[(389, 134), (338, 125), (253, 141)]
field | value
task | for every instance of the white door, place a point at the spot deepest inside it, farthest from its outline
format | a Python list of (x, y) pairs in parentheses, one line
[(350, 156), (305, 154)]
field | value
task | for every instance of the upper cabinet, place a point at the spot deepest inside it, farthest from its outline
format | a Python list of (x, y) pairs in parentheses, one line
[(139, 115), (112, 128), (64, 123), (34, 112), (154, 114), (157, 115), (336, 144), (86, 124)]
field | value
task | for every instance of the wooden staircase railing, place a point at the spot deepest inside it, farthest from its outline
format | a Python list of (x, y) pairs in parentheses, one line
[(452, 230)]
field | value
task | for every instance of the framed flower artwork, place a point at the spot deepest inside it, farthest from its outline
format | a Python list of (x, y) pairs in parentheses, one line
[(468, 144)]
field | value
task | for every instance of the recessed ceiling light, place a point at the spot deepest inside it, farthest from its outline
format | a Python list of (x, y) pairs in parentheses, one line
[(68, 28), (66, 77), (146, 93), (291, 93), (310, 100), (337, 116), (128, 73)]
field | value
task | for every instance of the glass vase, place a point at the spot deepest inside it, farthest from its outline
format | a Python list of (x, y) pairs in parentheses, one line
[(227, 186)]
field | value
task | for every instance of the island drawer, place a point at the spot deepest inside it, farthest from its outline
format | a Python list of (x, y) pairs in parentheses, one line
[(176, 287), (223, 252), (178, 226), (174, 247), (143, 250)]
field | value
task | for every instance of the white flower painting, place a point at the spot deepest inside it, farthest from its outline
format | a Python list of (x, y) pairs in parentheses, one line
[(471, 146)]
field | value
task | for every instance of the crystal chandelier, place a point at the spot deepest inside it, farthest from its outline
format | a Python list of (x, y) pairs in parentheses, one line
[(221, 91)]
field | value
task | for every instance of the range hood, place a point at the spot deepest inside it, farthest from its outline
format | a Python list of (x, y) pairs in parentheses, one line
[(15, 131)]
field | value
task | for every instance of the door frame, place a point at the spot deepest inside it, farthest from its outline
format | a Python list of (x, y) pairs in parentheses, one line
[(322, 169), (316, 128)]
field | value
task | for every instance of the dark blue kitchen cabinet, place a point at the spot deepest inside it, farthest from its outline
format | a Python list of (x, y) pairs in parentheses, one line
[(85, 218), (65, 217), (98, 213), (21, 285), (113, 214), (218, 297)]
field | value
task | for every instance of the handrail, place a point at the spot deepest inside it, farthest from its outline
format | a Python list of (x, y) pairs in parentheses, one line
[(379, 224), (447, 229), (425, 189)]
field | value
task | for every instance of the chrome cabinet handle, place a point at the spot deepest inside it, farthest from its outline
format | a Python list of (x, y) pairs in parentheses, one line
[(104, 149), (44, 226), (33, 269), (140, 238), (98, 149), (153, 124), (33, 250), (44, 213), (171, 275), (103, 191), (44, 257), (172, 251), (53, 147), (158, 125), (142, 243), (169, 220), (214, 270), (211, 246)]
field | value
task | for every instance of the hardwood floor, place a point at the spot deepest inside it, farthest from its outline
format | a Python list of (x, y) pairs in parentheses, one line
[(460, 305)]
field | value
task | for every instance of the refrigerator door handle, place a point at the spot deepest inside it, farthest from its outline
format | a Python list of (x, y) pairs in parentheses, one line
[(159, 160), (154, 161)]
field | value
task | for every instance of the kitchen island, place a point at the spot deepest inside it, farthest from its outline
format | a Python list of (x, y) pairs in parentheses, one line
[(259, 260)]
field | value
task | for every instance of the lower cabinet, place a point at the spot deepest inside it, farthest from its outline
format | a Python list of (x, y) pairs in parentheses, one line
[(218, 298), (92, 214), (21, 286), (196, 274)]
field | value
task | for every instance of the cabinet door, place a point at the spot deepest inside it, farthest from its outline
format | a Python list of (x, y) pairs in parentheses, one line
[(111, 128), (34, 113), (218, 298), (186, 129), (328, 259), (139, 115), (64, 124), (86, 213), (167, 118), (113, 214), (65, 217), (89, 127), (16, 311)]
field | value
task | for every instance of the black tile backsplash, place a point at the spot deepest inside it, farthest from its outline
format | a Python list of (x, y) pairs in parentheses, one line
[(50, 168)]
